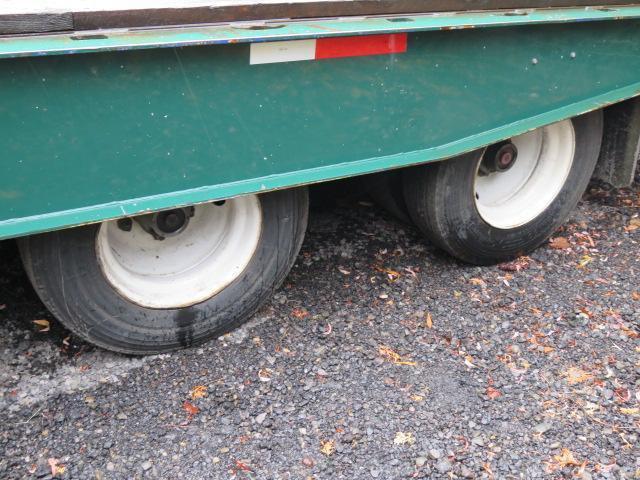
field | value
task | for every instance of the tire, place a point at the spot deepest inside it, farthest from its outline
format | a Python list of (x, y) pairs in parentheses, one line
[(72, 274), (386, 190), (444, 198)]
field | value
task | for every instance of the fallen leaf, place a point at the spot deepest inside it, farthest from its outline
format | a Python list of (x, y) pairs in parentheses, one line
[(344, 271), (43, 324), (199, 391), (327, 447), (391, 274), (493, 393), (417, 398), (559, 243), (403, 438), (636, 296), (428, 321), (575, 375), (584, 261), (622, 394), (190, 408), (468, 361), (264, 374), (566, 459), (299, 313), (56, 467), (243, 466), (630, 411), (519, 264), (487, 468), (478, 282), (393, 356), (634, 224)]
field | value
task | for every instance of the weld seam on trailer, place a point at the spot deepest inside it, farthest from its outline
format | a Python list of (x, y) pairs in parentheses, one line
[(118, 39), (86, 215)]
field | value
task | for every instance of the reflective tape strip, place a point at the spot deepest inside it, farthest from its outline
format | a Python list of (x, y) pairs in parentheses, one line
[(322, 48)]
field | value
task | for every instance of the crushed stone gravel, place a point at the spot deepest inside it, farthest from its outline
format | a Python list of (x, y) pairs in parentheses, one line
[(380, 357)]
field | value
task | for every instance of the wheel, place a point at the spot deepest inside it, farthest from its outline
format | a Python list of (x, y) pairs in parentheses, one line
[(172, 279), (387, 191), (495, 204)]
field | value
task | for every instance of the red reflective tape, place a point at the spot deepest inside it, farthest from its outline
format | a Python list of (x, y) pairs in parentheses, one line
[(361, 45)]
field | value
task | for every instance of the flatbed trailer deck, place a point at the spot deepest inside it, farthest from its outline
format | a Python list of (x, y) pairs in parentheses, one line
[(159, 132)]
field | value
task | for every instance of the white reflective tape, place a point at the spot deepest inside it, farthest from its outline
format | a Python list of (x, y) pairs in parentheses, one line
[(289, 51)]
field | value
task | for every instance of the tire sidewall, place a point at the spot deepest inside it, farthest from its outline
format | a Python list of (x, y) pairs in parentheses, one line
[(66, 262), (454, 223)]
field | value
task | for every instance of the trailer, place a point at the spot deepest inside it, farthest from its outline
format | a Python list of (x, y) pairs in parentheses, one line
[(155, 158)]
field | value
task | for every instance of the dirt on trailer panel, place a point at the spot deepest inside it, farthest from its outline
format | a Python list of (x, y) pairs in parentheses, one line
[(41, 16)]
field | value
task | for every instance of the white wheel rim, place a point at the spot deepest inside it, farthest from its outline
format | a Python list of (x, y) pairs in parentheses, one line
[(188, 268), (515, 197)]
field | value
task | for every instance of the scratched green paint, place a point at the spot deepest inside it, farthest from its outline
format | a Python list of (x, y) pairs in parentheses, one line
[(101, 135), (82, 42)]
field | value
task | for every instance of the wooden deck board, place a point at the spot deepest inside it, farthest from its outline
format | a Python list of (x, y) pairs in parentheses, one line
[(39, 16)]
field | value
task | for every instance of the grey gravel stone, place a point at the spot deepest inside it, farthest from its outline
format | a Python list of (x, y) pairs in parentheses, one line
[(111, 416), (543, 427), (435, 453), (443, 465)]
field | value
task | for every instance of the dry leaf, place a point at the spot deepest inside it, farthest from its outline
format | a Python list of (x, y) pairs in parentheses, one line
[(493, 393), (468, 361), (417, 398), (566, 459), (243, 466), (478, 282), (519, 264), (43, 325), (344, 271), (391, 274), (264, 374), (403, 438), (634, 224), (428, 322), (576, 375), (190, 408), (622, 394), (199, 391), (327, 447), (299, 313), (559, 243), (56, 467), (630, 411), (635, 296), (393, 357), (584, 261)]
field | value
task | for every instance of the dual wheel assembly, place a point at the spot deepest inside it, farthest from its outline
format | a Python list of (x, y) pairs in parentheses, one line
[(167, 280)]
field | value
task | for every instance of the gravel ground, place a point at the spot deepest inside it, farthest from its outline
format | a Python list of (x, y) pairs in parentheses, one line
[(380, 357)]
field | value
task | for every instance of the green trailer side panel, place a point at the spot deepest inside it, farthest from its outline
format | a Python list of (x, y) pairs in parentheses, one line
[(101, 135)]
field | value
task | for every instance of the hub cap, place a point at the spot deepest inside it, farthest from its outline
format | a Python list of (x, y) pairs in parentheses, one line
[(514, 196), (202, 254)]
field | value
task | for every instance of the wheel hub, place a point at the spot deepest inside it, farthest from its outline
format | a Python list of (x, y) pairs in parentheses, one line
[(499, 158), (180, 257), (161, 225), (517, 180)]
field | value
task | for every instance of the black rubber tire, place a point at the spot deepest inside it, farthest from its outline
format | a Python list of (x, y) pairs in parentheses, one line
[(386, 190), (65, 272), (440, 199)]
